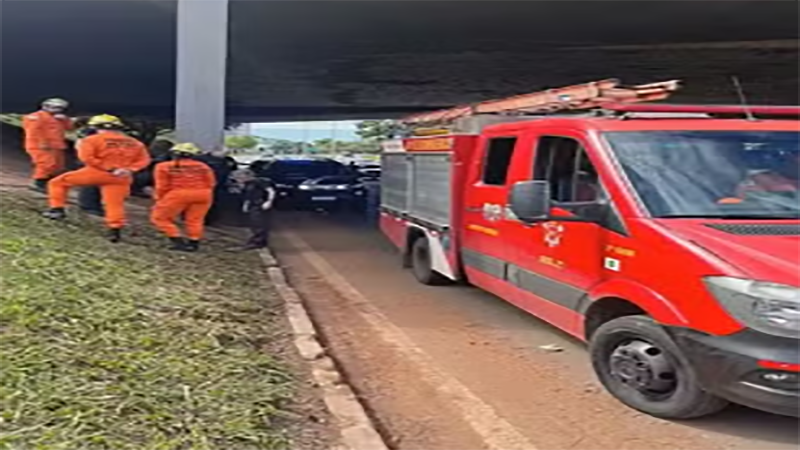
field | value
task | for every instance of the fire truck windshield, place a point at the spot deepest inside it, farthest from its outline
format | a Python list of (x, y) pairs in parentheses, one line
[(713, 174)]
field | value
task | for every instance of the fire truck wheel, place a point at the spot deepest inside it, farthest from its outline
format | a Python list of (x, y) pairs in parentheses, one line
[(638, 362), (421, 264)]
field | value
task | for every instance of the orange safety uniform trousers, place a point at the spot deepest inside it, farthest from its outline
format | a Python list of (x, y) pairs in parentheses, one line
[(114, 190), (46, 163), (193, 204)]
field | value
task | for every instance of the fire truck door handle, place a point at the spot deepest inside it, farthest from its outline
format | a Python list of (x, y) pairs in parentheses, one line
[(473, 209)]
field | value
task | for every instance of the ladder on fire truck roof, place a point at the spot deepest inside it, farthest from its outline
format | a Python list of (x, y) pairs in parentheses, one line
[(594, 95)]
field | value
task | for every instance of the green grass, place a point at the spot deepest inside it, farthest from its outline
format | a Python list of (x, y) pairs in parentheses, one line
[(127, 346)]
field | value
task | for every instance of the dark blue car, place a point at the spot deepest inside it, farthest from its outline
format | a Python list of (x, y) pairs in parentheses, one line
[(314, 183)]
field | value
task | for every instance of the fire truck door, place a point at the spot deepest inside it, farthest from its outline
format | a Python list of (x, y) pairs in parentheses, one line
[(559, 261), (485, 206), (576, 248)]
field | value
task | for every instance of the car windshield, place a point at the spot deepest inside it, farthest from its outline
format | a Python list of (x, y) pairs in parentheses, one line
[(303, 170), (713, 174)]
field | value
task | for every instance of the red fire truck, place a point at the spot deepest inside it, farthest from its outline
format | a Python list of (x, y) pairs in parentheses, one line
[(666, 236)]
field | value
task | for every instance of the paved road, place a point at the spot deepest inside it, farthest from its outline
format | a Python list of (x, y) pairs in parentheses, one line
[(453, 367)]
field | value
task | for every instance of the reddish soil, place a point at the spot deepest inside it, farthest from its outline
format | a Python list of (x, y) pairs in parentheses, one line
[(479, 342)]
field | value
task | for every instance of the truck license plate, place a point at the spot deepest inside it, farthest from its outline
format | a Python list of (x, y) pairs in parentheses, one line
[(323, 199)]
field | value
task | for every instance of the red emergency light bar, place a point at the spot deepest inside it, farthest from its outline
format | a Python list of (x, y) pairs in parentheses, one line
[(739, 110)]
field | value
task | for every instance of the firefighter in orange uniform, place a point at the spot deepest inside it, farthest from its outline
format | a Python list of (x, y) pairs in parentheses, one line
[(183, 186), (110, 158), (45, 140)]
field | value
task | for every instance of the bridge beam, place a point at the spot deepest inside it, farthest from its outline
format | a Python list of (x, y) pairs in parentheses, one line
[(201, 67)]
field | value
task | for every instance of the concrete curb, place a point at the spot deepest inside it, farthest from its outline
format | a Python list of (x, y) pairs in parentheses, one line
[(355, 426)]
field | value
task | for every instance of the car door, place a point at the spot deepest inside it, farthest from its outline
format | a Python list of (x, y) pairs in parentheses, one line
[(576, 248), (558, 261), (485, 205)]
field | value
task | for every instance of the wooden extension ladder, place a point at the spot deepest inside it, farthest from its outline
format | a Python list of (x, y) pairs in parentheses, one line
[(572, 98)]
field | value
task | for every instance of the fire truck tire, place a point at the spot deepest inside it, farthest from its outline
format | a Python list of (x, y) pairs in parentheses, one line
[(421, 264), (640, 365)]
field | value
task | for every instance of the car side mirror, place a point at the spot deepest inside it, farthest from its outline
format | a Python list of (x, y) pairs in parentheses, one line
[(530, 200)]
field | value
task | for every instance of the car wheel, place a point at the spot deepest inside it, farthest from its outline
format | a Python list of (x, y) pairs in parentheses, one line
[(421, 264), (639, 364)]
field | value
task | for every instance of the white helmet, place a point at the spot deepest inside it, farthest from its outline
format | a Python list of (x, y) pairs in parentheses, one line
[(55, 104)]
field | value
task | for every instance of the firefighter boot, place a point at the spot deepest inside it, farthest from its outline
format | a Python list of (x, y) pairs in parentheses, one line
[(177, 244), (55, 214), (192, 246), (114, 235), (39, 185)]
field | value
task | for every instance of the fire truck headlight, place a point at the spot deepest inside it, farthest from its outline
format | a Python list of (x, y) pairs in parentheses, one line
[(767, 307)]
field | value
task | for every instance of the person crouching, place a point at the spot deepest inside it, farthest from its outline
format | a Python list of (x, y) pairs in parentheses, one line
[(258, 195), (183, 186)]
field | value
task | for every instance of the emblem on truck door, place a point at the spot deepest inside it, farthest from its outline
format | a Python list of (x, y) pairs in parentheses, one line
[(492, 212), (553, 232)]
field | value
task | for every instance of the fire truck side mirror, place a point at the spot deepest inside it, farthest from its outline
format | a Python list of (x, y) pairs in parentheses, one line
[(530, 200)]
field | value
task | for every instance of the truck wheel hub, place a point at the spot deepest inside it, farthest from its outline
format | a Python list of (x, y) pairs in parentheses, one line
[(642, 366)]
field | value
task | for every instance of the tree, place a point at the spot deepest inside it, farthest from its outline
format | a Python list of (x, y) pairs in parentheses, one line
[(372, 130), (325, 145), (284, 147), (241, 142)]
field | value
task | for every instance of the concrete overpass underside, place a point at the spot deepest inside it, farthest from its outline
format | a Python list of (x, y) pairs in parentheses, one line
[(337, 59)]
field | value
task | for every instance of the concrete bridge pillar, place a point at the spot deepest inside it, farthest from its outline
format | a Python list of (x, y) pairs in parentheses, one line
[(202, 60)]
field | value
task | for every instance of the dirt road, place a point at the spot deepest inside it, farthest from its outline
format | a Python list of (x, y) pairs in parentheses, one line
[(456, 368)]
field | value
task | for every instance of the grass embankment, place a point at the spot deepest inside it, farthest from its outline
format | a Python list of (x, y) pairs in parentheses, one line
[(127, 346)]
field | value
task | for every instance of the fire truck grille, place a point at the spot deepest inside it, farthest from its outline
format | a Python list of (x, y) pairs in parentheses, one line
[(758, 229)]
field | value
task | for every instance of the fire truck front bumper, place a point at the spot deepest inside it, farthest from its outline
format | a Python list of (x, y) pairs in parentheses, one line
[(749, 368)]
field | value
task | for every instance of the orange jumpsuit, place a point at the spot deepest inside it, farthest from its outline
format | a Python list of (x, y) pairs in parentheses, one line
[(182, 187), (101, 154), (45, 142)]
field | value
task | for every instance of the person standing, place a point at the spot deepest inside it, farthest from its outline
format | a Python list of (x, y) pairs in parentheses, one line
[(183, 186), (110, 159), (372, 205), (258, 196), (221, 164), (45, 140)]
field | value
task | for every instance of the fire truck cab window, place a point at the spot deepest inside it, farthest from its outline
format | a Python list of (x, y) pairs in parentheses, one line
[(497, 160), (564, 163)]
